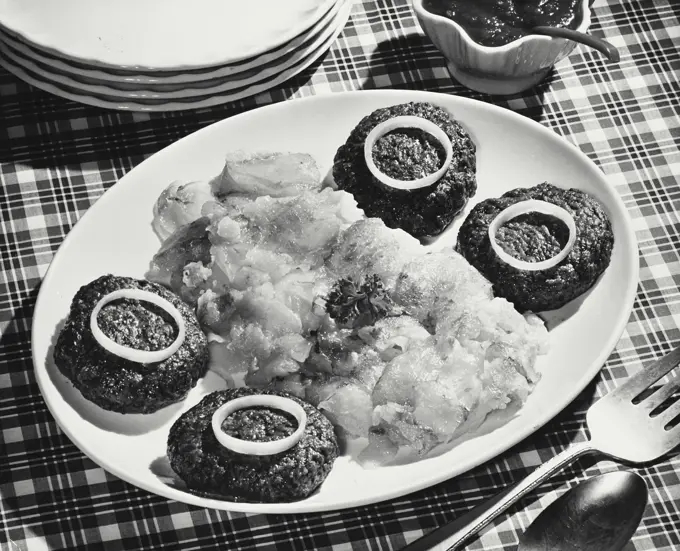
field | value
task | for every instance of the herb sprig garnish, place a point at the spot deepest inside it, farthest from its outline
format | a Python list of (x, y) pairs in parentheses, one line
[(359, 303)]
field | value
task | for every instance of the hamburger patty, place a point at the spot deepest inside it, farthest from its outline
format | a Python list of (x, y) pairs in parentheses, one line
[(206, 466), (118, 384), (552, 288), (421, 212)]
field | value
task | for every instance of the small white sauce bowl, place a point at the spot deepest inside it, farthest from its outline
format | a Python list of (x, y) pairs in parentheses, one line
[(496, 70), (251, 447), (407, 121)]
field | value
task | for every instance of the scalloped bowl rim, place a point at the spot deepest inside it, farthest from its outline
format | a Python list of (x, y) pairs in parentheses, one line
[(505, 48)]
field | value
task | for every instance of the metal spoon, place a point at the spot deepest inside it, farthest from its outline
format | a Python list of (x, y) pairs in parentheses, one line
[(600, 514), (606, 48)]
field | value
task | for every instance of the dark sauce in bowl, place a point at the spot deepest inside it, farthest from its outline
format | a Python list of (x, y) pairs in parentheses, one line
[(499, 22)]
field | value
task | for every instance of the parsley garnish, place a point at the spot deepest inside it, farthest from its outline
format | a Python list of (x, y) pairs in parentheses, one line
[(357, 303)]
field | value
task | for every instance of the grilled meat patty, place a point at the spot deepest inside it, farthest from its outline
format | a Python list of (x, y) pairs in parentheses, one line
[(552, 288), (206, 466), (118, 384), (424, 212)]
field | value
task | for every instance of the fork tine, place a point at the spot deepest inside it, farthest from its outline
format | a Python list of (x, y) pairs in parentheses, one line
[(647, 376), (670, 413), (661, 395), (673, 437)]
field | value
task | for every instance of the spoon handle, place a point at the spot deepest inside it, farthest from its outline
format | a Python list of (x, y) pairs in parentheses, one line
[(441, 539), (599, 44)]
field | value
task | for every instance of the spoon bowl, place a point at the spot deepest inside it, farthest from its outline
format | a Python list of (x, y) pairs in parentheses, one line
[(600, 514)]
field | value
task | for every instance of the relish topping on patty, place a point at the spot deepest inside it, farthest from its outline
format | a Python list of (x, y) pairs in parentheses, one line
[(137, 324), (533, 237), (408, 154), (261, 424)]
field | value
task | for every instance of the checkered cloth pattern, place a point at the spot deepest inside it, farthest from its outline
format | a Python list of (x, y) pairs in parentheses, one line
[(58, 157)]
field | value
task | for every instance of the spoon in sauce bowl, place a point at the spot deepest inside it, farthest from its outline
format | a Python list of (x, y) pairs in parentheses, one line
[(600, 514), (599, 44)]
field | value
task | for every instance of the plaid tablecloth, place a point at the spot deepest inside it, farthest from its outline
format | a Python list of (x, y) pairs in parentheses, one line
[(57, 157)]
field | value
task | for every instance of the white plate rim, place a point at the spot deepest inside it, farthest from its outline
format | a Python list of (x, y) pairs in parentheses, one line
[(100, 73), (390, 97), (259, 74), (255, 50), (211, 101)]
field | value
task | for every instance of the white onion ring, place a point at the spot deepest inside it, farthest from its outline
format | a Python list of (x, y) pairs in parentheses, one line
[(134, 354), (532, 205), (407, 122), (250, 447)]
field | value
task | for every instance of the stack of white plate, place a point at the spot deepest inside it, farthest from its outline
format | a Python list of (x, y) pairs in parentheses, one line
[(164, 55)]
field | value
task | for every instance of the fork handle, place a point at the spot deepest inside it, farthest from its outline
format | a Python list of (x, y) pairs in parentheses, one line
[(439, 539)]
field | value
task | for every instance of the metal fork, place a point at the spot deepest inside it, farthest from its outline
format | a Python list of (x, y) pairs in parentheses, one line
[(623, 425)]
